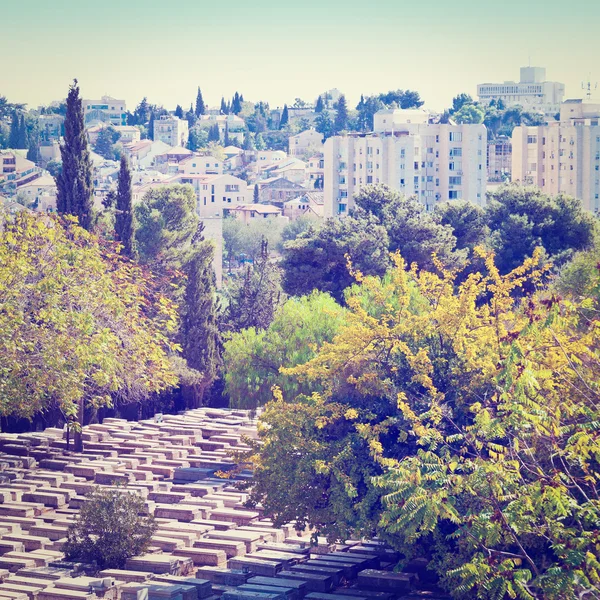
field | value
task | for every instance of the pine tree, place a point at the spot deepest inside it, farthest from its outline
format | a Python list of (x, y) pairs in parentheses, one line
[(124, 229), (74, 182), (285, 117), (320, 106), (13, 138), (23, 136), (260, 142), (179, 111), (200, 107), (151, 127), (200, 334), (256, 196), (248, 141), (224, 110), (341, 117)]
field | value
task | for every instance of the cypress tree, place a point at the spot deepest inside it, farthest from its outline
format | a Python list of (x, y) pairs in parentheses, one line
[(74, 182), (226, 140), (341, 117), (124, 230), (224, 110), (200, 334), (151, 127), (33, 153), (214, 134), (256, 196), (200, 107), (179, 111), (23, 137), (13, 137), (191, 117), (320, 106), (285, 117)]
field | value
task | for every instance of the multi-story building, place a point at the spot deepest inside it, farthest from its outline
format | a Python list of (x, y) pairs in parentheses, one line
[(499, 160), (306, 142), (563, 157), (201, 165), (16, 170), (106, 110), (532, 92), (171, 130), (434, 162)]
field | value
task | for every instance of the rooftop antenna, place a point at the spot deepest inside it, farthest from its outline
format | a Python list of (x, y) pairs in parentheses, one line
[(589, 88)]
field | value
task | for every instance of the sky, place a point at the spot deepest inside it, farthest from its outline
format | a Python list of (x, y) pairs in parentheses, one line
[(278, 51)]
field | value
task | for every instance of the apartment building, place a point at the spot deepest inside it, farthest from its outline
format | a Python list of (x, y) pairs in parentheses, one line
[(106, 110), (431, 161), (563, 157), (532, 92), (499, 160), (171, 130), (216, 192), (16, 170)]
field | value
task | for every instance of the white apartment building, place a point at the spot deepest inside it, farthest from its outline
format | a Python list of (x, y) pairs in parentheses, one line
[(434, 162), (532, 92), (171, 130), (107, 110), (563, 157), (216, 192)]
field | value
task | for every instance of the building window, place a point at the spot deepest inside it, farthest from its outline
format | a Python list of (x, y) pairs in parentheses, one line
[(454, 194), (532, 139), (455, 180), (455, 136)]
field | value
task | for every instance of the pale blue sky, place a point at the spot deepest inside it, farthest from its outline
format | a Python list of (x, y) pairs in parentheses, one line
[(277, 51)]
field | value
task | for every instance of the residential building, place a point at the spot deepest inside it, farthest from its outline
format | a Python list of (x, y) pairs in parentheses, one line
[(129, 134), (291, 169), (40, 193), (169, 160), (215, 193), (562, 157), (499, 160), (278, 190), (305, 143), (201, 165), (251, 212), (16, 170), (310, 204), (434, 162), (106, 110), (316, 171), (171, 130), (532, 92)]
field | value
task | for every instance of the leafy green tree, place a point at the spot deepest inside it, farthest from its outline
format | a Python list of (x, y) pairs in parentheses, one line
[(402, 99), (459, 101), (469, 113), (9, 108), (412, 231), (141, 114), (253, 356), (319, 259), (260, 142), (341, 115), (248, 141), (54, 167), (233, 239), (74, 182), (522, 219), (79, 326), (296, 227), (458, 431), (109, 529), (324, 124), (198, 138), (199, 332), (285, 118), (124, 227), (104, 142), (467, 220), (367, 107), (166, 223)]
